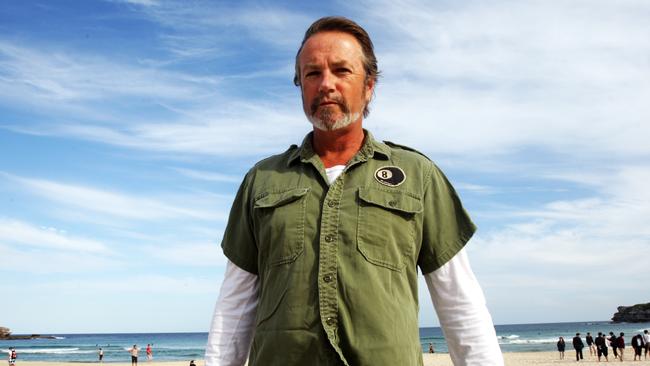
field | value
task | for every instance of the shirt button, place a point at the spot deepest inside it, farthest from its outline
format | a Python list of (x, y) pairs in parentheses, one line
[(329, 238), (327, 278), (330, 321), (331, 203)]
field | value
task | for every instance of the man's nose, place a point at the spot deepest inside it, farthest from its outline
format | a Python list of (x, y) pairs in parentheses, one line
[(327, 82)]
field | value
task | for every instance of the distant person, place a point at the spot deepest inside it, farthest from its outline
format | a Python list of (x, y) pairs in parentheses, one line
[(601, 346), (561, 345), (149, 352), (620, 344), (101, 354), (638, 345), (12, 356), (134, 354), (431, 350), (578, 346), (590, 343), (646, 341), (192, 363), (614, 343)]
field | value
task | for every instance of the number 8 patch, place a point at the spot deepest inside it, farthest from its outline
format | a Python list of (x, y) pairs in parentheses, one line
[(390, 176)]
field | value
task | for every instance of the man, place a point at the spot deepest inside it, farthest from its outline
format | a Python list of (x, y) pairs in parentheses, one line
[(101, 355), (620, 344), (590, 343), (613, 341), (12, 356), (134, 355), (578, 346), (149, 352), (324, 240), (636, 344), (646, 340), (601, 346)]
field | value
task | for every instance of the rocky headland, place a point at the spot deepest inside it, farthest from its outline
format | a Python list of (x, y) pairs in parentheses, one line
[(639, 313), (5, 334)]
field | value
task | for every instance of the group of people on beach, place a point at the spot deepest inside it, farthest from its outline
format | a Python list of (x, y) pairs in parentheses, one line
[(134, 354), (134, 351), (600, 345)]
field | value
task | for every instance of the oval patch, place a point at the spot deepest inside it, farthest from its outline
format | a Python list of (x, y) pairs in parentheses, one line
[(390, 176)]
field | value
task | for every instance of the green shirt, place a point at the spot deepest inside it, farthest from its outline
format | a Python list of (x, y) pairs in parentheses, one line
[(337, 263)]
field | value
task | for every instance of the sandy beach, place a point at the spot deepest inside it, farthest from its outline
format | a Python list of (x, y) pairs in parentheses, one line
[(438, 359)]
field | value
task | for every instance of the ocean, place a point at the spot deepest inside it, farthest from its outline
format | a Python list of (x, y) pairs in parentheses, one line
[(188, 346)]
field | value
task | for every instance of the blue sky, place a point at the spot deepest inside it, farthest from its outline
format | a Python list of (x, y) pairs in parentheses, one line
[(126, 127)]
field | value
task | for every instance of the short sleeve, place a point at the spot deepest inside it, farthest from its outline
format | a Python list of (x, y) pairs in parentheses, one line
[(446, 226), (238, 242)]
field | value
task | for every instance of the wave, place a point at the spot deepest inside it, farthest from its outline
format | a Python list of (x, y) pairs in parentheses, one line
[(530, 341), (57, 337), (70, 350), (512, 336)]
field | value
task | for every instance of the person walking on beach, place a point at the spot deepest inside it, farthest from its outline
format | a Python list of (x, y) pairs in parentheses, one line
[(101, 355), (431, 350), (590, 343), (638, 345), (561, 345), (578, 346), (614, 343), (149, 352), (620, 344), (134, 355), (322, 233), (601, 346), (12, 356), (646, 341)]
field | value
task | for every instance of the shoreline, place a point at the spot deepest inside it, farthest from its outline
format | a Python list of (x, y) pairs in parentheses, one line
[(544, 358)]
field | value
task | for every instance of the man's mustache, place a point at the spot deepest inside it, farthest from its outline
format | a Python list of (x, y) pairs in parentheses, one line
[(338, 100)]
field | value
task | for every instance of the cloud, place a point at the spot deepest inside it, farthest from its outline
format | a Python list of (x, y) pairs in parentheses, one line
[(586, 244), (137, 284), (49, 260), (266, 24), (109, 203), (190, 254), (575, 85), (24, 234), (139, 2), (209, 176), (54, 75)]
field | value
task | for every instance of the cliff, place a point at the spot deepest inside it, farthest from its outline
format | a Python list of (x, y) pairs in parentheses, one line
[(5, 334), (638, 313)]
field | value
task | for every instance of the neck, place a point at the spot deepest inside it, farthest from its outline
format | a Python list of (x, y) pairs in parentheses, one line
[(339, 146)]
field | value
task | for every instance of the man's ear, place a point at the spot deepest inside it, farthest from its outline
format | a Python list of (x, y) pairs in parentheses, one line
[(370, 89)]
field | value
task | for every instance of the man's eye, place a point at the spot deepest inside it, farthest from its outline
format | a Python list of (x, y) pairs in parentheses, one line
[(312, 73), (343, 70)]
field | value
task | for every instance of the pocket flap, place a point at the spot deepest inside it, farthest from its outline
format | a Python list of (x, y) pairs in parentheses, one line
[(275, 199), (391, 200)]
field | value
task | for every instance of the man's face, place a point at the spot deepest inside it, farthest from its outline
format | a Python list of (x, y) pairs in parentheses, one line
[(333, 80)]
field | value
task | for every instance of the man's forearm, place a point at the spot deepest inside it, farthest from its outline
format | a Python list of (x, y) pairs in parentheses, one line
[(233, 322)]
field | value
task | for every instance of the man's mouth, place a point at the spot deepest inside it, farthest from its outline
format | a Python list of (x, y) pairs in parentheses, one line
[(328, 103)]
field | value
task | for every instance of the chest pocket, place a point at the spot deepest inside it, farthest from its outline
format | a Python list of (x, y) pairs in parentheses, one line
[(280, 225), (386, 226)]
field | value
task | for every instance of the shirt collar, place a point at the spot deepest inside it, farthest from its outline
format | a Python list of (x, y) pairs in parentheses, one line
[(370, 148)]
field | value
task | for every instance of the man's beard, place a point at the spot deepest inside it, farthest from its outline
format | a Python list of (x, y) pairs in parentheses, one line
[(326, 119)]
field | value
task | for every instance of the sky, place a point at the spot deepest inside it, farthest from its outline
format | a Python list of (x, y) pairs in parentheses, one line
[(126, 127)]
